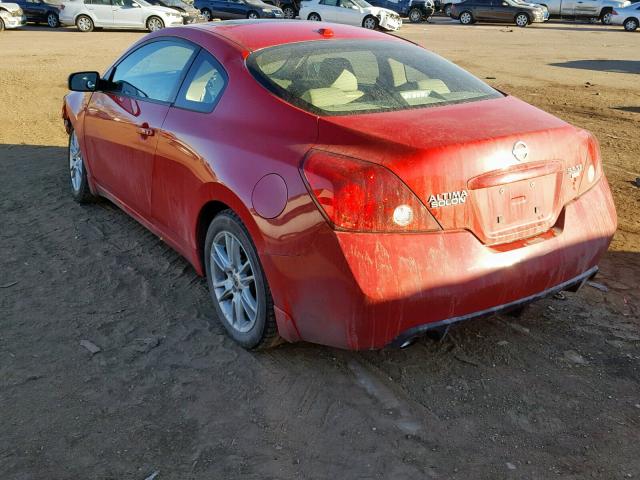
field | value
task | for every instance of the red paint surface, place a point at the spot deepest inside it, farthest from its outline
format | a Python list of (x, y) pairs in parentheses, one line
[(348, 289)]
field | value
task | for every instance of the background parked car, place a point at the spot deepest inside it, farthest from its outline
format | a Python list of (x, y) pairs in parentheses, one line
[(234, 9), (628, 16), (416, 10), (189, 13), (39, 11), (133, 14), (11, 16), (350, 12), (583, 9), (508, 11)]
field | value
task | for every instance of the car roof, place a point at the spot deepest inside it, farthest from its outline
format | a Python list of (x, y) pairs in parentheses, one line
[(256, 34)]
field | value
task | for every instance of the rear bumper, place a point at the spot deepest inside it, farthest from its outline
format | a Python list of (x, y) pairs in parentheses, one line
[(365, 291), (572, 285)]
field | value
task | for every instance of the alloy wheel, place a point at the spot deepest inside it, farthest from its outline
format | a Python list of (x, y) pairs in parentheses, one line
[(465, 18), (233, 281), (289, 12), (522, 20), (84, 24), (206, 14), (631, 25), (154, 24), (606, 18), (369, 23), (253, 15), (447, 10), (76, 166), (52, 20), (415, 16), (314, 17)]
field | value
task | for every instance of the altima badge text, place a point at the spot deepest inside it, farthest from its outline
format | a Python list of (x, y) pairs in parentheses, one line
[(448, 198)]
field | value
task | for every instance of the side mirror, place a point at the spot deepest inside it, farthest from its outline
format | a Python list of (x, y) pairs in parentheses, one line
[(84, 81)]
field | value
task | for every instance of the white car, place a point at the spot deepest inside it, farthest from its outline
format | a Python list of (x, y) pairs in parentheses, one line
[(11, 16), (350, 12), (136, 14), (628, 16)]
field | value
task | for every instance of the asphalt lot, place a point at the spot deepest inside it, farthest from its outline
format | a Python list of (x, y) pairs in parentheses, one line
[(554, 393)]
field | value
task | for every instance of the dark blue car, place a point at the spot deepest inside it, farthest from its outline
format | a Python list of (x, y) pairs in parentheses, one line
[(416, 10), (233, 9)]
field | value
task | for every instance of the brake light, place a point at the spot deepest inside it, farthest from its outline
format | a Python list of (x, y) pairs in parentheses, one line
[(592, 166), (361, 196)]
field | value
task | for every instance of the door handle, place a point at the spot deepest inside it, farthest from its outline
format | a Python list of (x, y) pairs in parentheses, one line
[(145, 131)]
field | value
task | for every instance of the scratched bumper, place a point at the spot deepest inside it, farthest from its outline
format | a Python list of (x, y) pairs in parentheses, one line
[(365, 291)]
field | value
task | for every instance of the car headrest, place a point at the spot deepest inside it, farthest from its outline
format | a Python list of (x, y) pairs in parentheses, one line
[(338, 73)]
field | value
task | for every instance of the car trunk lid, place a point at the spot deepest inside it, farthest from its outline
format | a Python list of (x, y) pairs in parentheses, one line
[(500, 168)]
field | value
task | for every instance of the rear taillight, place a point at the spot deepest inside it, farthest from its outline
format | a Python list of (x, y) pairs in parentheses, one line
[(361, 196), (592, 166)]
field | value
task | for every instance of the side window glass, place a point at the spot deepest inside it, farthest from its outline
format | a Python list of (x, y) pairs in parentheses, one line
[(153, 71), (329, 3), (203, 85)]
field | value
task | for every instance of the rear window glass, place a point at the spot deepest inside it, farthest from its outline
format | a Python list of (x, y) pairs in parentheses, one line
[(341, 77)]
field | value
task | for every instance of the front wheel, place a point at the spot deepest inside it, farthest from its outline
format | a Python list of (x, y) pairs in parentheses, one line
[(314, 17), (631, 24), (289, 12), (370, 23), (253, 15), (154, 24), (237, 284), (415, 15), (52, 20), (84, 23), (78, 173), (522, 20), (466, 18)]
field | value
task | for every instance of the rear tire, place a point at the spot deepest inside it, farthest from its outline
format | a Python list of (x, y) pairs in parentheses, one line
[(1, 25), (447, 10), (314, 17), (415, 15), (253, 15), (370, 23), (52, 20), (154, 24), (84, 23), (466, 18), (206, 13), (522, 20), (289, 12), (241, 295), (605, 18), (631, 24)]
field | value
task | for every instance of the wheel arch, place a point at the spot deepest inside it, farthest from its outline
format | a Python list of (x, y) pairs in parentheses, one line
[(214, 198)]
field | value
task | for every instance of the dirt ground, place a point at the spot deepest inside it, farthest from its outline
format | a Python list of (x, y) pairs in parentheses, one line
[(552, 394)]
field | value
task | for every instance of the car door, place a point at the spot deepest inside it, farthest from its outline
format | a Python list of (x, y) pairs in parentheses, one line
[(329, 10), (587, 8), (502, 11), (101, 11), (123, 123), (128, 13), (482, 9), (349, 13), (232, 9), (178, 167), (32, 9)]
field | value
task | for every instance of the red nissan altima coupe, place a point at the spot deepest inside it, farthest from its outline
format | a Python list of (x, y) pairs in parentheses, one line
[(338, 185)]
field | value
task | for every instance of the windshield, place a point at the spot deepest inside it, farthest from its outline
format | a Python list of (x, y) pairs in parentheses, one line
[(342, 77)]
